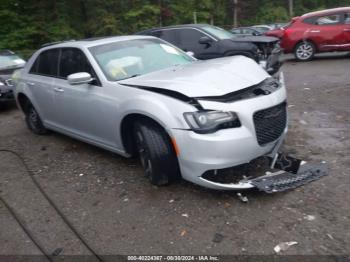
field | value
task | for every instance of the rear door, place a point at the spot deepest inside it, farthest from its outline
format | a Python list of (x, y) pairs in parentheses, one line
[(326, 31), (345, 45), (40, 79)]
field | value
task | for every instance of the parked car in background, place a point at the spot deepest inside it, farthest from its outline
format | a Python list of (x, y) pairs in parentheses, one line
[(207, 42), (245, 31), (262, 28), (139, 95), (277, 26), (9, 62), (321, 31)]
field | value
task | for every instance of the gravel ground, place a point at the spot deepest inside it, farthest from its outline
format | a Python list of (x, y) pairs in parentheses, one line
[(117, 211)]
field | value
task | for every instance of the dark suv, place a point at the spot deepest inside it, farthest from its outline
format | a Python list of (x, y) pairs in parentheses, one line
[(207, 41), (9, 62)]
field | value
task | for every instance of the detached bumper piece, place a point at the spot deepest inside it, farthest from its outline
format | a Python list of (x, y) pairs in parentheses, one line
[(282, 180)]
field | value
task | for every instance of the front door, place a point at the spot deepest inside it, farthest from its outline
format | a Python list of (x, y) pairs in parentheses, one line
[(83, 110), (189, 42)]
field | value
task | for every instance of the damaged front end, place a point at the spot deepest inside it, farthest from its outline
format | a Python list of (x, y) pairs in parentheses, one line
[(285, 173), (270, 56)]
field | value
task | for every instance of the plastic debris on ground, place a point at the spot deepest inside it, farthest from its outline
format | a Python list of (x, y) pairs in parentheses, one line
[(218, 238), (244, 199), (284, 246), (309, 217)]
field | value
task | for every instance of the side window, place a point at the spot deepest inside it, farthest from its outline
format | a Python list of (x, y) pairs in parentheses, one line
[(347, 18), (73, 61), (46, 63), (248, 31), (310, 20), (167, 35), (328, 20), (236, 31), (189, 39)]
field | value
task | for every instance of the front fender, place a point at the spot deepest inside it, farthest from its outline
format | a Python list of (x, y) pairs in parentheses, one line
[(166, 111)]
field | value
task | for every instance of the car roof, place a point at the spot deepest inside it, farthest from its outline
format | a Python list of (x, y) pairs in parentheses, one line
[(89, 42), (174, 26), (244, 27), (327, 11)]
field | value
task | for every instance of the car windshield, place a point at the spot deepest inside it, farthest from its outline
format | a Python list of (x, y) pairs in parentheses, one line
[(9, 59), (125, 59), (218, 32)]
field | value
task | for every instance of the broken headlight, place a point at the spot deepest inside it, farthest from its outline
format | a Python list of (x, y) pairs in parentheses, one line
[(205, 122)]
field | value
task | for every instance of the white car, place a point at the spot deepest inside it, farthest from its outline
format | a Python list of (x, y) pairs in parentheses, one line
[(139, 95)]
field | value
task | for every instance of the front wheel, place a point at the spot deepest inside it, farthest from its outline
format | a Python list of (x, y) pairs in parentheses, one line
[(33, 121), (304, 51), (157, 155)]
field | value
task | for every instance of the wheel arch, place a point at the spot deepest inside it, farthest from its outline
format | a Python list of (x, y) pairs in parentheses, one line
[(127, 126), (23, 101)]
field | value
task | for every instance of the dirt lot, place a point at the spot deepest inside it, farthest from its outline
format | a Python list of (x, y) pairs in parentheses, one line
[(117, 211)]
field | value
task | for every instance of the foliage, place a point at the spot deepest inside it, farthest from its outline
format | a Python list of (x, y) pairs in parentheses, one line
[(26, 24)]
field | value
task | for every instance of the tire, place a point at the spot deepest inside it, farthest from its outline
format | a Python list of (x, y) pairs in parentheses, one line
[(33, 121), (156, 153), (304, 51)]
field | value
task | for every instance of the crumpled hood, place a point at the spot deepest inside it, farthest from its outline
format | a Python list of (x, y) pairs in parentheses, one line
[(214, 77)]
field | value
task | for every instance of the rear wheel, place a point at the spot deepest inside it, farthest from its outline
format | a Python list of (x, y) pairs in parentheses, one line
[(33, 121), (156, 153), (304, 51)]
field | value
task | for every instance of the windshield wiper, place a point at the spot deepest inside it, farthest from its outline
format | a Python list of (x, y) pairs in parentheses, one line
[(129, 77)]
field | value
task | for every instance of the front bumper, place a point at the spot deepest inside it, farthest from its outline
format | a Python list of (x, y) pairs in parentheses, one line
[(199, 155), (6, 95), (226, 148)]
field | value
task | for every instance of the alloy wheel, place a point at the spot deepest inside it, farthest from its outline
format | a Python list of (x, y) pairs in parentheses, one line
[(143, 154), (305, 51)]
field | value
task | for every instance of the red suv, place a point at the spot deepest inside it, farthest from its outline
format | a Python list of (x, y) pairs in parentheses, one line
[(322, 31)]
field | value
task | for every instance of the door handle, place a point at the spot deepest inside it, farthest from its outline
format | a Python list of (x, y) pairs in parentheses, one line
[(346, 29), (58, 89), (315, 31), (30, 83)]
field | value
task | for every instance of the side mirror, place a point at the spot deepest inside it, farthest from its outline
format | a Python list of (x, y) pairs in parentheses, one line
[(79, 78), (205, 40)]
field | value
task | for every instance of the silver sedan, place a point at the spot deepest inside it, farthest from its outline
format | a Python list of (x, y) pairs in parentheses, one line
[(141, 96)]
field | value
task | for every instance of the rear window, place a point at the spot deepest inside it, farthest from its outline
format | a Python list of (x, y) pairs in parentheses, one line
[(328, 20), (347, 18)]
